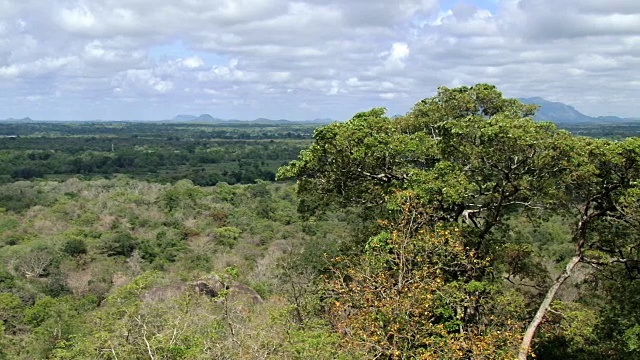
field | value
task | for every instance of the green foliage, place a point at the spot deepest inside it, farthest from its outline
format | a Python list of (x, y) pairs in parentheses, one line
[(227, 236), (204, 153), (476, 161), (7, 222), (74, 247), (164, 248), (127, 230), (448, 224), (473, 165), (569, 333), (55, 285), (10, 311), (55, 322), (21, 196), (7, 281), (620, 314), (632, 338), (232, 272), (316, 341), (180, 195), (418, 292), (119, 243), (3, 342)]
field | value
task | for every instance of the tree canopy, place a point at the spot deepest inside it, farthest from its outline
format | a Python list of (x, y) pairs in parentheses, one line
[(471, 159)]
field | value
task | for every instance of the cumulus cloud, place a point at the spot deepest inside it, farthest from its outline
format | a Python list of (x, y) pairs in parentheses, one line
[(397, 56), (193, 62), (229, 73), (252, 58), (132, 82), (543, 19), (36, 68)]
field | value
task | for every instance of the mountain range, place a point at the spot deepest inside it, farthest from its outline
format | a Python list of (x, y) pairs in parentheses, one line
[(558, 112), (208, 118), (27, 119), (201, 118)]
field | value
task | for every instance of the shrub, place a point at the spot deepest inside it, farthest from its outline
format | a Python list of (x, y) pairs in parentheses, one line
[(74, 247)]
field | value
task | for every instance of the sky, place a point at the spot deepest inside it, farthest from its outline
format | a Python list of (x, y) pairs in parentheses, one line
[(307, 59)]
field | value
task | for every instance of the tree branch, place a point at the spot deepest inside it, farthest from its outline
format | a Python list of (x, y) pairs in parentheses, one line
[(544, 307)]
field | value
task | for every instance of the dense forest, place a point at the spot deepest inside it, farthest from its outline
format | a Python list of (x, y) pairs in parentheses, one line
[(461, 230), (159, 152)]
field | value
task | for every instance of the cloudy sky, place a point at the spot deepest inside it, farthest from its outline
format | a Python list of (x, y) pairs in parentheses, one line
[(306, 59)]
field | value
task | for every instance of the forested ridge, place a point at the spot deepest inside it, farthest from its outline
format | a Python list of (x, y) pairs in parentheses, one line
[(461, 230)]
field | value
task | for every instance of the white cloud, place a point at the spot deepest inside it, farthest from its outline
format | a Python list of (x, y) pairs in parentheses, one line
[(193, 62), (337, 57), (396, 57), (279, 76), (140, 81), (335, 88), (38, 67), (211, 91), (545, 19), (353, 82), (596, 62), (99, 54), (229, 73), (77, 18)]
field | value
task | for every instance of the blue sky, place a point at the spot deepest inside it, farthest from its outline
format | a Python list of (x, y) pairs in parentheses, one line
[(306, 59)]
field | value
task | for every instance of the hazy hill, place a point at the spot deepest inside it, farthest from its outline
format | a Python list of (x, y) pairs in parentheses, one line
[(556, 112), (201, 118), (563, 113), (183, 117), (26, 119), (209, 118)]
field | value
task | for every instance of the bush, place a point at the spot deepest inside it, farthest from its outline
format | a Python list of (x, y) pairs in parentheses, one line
[(74, 247), (227, 236), (119, 244)]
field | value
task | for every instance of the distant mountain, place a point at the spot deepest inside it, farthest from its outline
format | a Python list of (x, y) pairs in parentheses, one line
[(285, 121), (27, 119), (206, 118), (183, 117), (209, 118), (563, 113), (277, 121), (556, 111), (613, 118), (201, 118), (322, 121)]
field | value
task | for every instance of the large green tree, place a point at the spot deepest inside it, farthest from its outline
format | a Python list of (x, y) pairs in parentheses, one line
[(473, 159), (470, 154)]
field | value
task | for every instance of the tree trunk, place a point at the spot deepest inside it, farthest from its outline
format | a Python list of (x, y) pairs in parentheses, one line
[(544, 307)]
